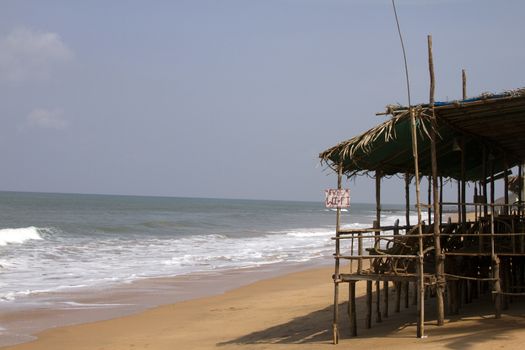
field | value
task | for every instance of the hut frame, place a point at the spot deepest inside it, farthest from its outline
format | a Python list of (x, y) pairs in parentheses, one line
[(476, 140)]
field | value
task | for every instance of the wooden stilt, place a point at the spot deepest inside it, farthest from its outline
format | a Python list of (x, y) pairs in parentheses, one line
[(406, 285), (385, 298), (398, 296), (378, 302), (352, 309), (497, 287), (368, 323)]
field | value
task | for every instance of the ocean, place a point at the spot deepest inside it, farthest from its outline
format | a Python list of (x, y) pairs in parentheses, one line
[(53, 246)]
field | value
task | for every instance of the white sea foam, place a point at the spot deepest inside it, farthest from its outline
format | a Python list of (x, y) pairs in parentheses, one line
[(19, 235)]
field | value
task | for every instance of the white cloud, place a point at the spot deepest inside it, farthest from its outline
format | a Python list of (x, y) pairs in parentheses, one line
[(47, 118), (27, 54)]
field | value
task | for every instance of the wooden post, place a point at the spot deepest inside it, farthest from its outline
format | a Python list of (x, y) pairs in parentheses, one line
[(385, 298), (398, 296), (429, 200), (464, 80), (377, 224), (352, 311), (368, 321), (360, 252), (459, 201), (441, 199), (475, 205), (506, 188), (492, 187), (335, 322), (437, 225), (420, 281), (497, 287), (440, 259), (463, 183), (407, 199), (406, 285), (484, 167), (520, 188)]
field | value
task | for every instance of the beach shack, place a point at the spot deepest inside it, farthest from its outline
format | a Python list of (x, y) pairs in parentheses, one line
[(479, 250)]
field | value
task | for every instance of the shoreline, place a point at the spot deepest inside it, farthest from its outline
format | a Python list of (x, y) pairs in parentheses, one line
[(292, 310), (19, 325)]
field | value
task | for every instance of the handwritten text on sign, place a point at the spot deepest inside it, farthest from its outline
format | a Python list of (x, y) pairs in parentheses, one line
[(337, 198)]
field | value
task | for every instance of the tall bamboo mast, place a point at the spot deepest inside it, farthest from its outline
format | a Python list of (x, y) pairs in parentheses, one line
[(420, 282), (437, 224)]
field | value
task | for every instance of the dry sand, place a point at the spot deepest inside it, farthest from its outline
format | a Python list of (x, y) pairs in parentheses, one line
[(288, 312)]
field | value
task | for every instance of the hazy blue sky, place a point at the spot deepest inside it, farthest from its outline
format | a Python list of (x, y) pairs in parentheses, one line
[(225, 98)]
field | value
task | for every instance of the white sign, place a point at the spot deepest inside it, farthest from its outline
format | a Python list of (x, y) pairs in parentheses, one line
[(337, 198)]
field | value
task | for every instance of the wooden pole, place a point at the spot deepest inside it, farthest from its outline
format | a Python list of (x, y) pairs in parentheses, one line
[(520, 188), (441, 199), (352, 311), (398, 296), (463, 183), (407, 199), (420, 281), (377, 224), (485, 196), (437, 239), (459, 201), (461, 192), (335, 322), (464, 80), (497, 287), (429, 200), (492, 186), (368, 321), (506, 188), (385, 298)]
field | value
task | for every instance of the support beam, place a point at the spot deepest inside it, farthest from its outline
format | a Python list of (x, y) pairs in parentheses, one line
[(377, 224), (440, 291), (335, 330), (407, 199)]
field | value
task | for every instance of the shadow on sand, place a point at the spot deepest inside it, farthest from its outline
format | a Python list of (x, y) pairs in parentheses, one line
[(474, 325)]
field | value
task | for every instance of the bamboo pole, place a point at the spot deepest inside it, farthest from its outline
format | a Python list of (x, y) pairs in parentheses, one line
[(420, 282), (335, 322), (398, 286), (377, 224), (368, 321), (506, 188), (520, 188), (464, 83), (385, 298), (459, 200), (407, 199), (352, 311), (429, 200), (441, 199), (437, 239), (484, 167), (463, 183)]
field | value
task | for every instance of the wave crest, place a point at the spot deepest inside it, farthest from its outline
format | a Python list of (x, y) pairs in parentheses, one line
[(19, 235)]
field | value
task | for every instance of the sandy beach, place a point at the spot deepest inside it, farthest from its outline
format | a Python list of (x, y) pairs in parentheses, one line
[(287, 312)]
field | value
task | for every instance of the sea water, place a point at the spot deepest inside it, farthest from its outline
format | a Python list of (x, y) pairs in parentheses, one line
[(52, 243)]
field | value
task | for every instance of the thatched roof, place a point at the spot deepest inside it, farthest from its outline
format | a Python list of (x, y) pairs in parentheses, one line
[(495, 123)]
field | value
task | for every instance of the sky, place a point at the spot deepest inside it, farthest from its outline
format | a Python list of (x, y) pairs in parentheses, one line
[(226, 98)]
